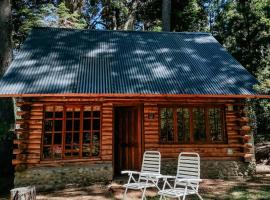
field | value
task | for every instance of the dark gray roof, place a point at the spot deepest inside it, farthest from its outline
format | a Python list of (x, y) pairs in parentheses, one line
[(55, 61)]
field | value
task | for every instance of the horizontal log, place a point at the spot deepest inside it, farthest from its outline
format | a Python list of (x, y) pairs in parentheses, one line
[(33, 161), (106, 152), (245, 128), (35, 137), (107, 137), (17, 151), (248, 157), (107, 158), (16, 162), (172, 146), (106, 142)]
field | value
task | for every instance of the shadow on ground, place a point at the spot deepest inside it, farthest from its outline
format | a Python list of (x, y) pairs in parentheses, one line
[(257, 188)]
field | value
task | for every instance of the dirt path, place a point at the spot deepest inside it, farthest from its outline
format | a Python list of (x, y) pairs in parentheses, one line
[(255, 189)]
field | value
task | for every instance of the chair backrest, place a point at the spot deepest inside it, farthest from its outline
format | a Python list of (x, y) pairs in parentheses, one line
[(188, 168), (151, 163)]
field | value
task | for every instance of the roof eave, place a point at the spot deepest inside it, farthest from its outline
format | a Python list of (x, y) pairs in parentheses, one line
[(252, 96)]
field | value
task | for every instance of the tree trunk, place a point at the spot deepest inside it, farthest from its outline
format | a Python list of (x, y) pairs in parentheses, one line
[(6, 105), (5, 35), (74, 5), (129, 24), (166, 15)]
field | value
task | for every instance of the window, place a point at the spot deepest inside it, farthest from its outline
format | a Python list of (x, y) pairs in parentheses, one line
[(192, 124), (71, 132)]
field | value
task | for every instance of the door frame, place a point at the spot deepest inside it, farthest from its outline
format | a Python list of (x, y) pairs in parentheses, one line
[(140, 129)]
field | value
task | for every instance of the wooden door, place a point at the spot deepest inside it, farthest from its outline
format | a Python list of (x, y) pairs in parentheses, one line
[(127, 140)]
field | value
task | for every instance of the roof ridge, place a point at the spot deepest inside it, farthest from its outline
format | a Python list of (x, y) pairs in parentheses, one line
[(122, 31)]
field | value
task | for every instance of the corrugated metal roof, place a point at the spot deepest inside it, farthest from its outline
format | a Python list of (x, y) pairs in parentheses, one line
[(55, 61)]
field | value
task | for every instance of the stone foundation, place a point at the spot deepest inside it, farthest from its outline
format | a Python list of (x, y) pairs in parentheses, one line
[(48, 178), (215, 168)]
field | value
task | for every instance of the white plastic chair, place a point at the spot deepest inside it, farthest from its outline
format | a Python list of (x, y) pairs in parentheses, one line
[(186, 181), (149, 175)]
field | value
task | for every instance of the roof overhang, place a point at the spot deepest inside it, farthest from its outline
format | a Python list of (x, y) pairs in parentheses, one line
[(257, 96)]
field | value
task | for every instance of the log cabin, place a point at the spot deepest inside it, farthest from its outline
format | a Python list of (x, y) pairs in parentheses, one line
[(89, 103)]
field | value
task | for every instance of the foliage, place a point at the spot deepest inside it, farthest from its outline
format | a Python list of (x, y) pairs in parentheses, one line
[(28, 14), (68, 19), (244, 28), (188, 15)]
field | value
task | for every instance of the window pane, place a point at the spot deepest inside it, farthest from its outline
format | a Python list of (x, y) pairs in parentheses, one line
[(48, 114), (68, 138), (75, 154), (47, 152), (183, 125), (95, 144), (58, 125), (86, 150), (76, 114), (199, 125), (96, 124), (69, 114), (57, 151), (87, 114), (68, 125), (76, 138), (68, 147), (76, 125), (47, 139), (86, 138), (68, 154), (58, 114), (86, 124), (215, 124), (58, 138), (48, 125), (166, 124), (96, 114)]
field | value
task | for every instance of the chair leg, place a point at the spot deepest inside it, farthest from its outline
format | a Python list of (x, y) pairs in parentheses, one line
[(125, 194), (199, 196), (143, 194)]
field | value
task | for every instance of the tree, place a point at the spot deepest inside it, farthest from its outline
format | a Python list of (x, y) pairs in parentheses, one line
[(244, 28), (188, 15), (30, 13), (5, 33), (213, 8), (166, 15), (6, 106)]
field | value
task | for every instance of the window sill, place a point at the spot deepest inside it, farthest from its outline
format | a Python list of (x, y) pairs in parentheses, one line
[(75, 160), (195, 143)]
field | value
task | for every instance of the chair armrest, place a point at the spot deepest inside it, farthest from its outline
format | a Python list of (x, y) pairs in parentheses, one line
[(189, 180), (130, 172), (151, 175), (165, 177)]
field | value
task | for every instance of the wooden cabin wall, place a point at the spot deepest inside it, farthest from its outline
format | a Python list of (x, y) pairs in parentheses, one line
[(29, 129)]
